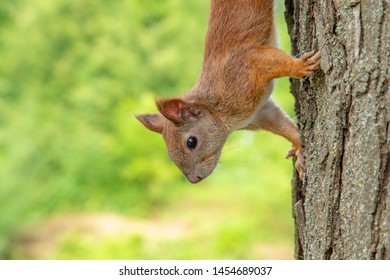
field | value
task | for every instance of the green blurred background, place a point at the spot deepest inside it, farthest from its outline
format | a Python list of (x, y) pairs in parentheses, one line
[(80, 178)]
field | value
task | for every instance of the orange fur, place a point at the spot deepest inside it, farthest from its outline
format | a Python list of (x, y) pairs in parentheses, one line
[(240, 62)]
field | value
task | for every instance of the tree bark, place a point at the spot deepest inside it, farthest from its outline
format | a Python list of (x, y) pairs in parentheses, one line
[(341, 208)]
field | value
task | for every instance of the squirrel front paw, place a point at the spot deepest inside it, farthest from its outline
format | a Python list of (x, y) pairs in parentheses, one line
[(299, 162), (307, 64)]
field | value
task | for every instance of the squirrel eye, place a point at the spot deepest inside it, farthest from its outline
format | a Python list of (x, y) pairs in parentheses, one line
[(191, 142)]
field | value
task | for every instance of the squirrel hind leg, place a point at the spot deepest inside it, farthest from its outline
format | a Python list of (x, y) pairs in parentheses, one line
[(272, 118)]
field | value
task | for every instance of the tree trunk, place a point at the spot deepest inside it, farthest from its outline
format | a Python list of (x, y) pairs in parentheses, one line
[(341, 208)]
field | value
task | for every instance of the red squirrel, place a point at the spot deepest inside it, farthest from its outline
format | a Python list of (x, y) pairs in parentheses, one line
[(233, 91)]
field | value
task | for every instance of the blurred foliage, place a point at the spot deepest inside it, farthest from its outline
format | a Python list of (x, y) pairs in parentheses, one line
[(72, 76)]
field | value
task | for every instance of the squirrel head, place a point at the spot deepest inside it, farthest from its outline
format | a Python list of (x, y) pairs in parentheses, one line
[(193, 136)]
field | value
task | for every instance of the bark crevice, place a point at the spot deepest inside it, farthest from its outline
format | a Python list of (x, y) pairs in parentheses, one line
[(341, 209)]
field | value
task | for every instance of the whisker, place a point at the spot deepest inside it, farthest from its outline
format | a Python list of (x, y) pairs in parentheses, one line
[(233, 163), (220, 167), (227, 149)]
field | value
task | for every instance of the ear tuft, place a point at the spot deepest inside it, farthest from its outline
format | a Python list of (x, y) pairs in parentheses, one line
[(153, 122)]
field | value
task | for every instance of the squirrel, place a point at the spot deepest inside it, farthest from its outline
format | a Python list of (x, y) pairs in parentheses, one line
[(233, 91)]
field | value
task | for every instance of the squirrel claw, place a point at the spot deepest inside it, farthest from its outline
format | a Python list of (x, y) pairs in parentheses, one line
[(299, 162), (291, 152), (308, 63)]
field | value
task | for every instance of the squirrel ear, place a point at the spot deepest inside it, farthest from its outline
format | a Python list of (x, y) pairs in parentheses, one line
[(177, 110), (153, 122)]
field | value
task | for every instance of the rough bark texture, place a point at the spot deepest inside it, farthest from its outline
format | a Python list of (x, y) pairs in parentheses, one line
[(342, 208)]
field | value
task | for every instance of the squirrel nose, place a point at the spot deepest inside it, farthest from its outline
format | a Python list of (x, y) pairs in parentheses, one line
[(194, 179)]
